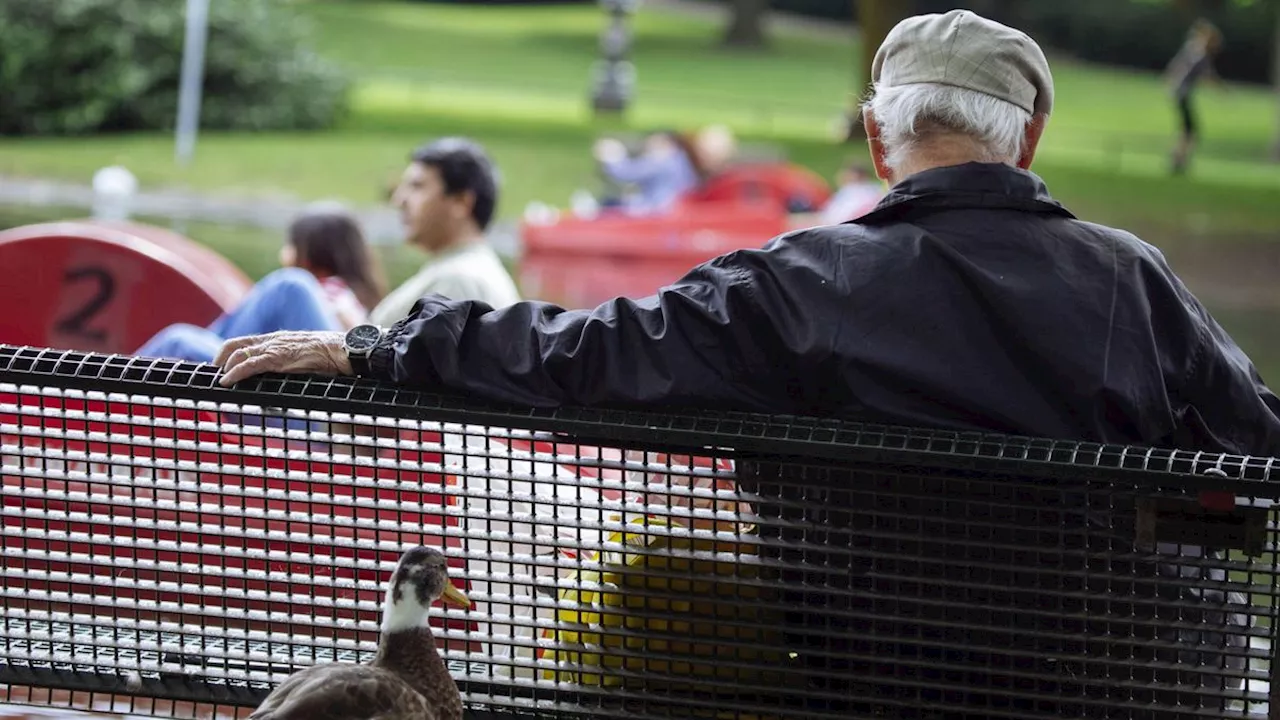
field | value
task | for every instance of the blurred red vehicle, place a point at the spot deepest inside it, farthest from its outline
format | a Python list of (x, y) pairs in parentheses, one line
[(579, 262)]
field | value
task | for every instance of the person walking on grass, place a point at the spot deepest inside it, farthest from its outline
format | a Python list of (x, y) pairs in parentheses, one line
[(1193, 63)]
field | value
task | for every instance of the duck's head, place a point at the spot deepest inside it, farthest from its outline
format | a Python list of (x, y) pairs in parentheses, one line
[(421, 577)]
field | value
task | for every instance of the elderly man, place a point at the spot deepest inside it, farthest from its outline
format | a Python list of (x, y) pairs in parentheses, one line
[(967, 299)]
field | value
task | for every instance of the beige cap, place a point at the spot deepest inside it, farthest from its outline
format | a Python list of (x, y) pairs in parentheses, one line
[(968, 51)]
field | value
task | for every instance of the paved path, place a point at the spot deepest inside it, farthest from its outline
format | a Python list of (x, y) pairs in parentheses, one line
[(381, 224)]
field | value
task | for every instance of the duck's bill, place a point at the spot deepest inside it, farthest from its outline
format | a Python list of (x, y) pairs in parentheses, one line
[(454, 596)]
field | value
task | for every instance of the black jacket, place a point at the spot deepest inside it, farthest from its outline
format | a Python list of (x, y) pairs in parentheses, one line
[(967, 299)]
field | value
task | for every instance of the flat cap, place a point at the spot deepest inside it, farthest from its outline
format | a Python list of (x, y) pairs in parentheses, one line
[(966, 50)]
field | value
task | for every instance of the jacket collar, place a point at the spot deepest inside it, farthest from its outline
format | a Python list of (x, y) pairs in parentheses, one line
[(971, 185)]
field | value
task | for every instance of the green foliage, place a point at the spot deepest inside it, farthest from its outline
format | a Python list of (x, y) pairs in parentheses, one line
[(84, 66)]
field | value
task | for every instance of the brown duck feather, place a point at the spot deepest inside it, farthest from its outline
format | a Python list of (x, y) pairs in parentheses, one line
[(406, 680), (345, 691)]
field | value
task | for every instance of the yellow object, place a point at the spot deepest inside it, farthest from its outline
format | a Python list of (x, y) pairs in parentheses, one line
[(627, 640)]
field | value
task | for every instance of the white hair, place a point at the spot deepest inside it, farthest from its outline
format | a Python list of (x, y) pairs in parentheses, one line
[(908, 114)]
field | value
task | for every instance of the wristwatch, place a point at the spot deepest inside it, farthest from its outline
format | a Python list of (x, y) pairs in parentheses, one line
[(359, 343)]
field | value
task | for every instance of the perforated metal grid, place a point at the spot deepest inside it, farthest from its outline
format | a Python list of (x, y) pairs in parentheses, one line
[(173, 548)]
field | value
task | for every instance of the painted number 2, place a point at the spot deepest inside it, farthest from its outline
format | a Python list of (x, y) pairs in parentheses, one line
[(76, 323)]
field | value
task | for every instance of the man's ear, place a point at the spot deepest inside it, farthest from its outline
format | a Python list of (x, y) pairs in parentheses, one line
[(1031, 141), (465, 204), (874, 145)]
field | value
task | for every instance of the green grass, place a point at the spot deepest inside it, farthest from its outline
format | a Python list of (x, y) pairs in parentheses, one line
[(536, 60), (532, 55), (516, 78), (1255, 331)]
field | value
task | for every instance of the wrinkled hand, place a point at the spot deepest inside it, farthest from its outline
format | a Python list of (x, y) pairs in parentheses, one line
[(310, 353)]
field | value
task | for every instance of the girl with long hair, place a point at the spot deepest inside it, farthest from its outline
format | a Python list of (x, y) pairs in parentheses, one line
[(328, 282)]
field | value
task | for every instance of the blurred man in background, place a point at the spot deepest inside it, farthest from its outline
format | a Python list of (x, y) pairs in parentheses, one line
[(447, 197)]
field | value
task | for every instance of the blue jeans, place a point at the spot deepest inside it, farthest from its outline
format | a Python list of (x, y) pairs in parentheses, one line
[(287, 299)]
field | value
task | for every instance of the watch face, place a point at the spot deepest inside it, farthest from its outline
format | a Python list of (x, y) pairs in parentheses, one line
[(363, 337)]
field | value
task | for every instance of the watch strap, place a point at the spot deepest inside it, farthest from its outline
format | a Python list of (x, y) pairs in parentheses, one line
[(359, 363)]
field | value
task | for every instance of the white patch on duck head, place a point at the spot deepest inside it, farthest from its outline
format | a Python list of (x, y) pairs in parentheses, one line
[(409, 593), (402, 610)]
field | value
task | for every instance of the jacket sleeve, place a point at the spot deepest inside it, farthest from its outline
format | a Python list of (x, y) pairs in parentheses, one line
[(1228, 406), (1221, 403), (732, 333)]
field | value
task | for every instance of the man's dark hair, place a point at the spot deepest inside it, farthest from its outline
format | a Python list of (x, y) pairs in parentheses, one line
[(463, 165)]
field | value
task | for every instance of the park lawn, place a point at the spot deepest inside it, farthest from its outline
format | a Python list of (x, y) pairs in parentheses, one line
[(547, 160), (542, 55), (516, 78)]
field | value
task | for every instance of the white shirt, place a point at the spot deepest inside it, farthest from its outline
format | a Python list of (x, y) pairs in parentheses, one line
[(471, 272), (851, 201)]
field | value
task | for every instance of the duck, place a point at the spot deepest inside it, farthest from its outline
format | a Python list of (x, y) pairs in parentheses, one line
[(406, 679)]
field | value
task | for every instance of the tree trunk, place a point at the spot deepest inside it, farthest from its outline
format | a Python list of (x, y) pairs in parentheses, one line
[(746, 23), (1275, 79), (875, 19), (1188, 9)]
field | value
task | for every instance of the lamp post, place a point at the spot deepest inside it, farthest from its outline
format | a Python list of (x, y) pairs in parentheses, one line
[(190, 86), (615, 75)]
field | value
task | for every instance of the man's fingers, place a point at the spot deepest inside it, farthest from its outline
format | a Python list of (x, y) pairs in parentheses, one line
[(238, 357), (232, 345), (248, 367), (296, 352)]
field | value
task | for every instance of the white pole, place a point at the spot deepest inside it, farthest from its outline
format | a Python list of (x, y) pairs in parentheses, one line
[(190, 89)]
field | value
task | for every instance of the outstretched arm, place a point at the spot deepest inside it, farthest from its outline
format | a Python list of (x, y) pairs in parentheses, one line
[(740, 331), (728, 333)]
